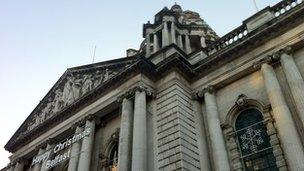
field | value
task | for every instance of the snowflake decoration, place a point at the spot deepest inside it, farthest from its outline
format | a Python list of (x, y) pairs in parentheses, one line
[(251, 139)]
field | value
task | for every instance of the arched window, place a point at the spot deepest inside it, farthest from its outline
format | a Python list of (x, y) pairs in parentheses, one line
[(254, 142), (109, 158)]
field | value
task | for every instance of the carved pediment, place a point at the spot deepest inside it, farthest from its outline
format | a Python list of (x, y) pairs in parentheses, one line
[(73, 85)]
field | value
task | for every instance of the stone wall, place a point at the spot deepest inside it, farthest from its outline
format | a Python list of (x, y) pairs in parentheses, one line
[(177, 145), (252, 86)]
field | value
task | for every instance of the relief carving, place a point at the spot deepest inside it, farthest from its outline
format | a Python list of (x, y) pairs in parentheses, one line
[(74, 87)]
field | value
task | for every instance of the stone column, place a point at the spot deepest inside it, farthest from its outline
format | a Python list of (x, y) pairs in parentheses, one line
[(37, 166), (286, 127), (179, 41), (87, 145), (165, 35), (203, 145), (294, 79), (19, 165), (139, 149), (125, 137), (188, 46), (219, 152), (156, 45), (148, 44), (173, 37), (49, 149), (75, 150)]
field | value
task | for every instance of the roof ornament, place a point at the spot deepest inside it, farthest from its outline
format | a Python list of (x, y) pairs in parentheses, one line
[(176, 8)]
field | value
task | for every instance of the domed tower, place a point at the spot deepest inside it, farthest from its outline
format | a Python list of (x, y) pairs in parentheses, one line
[(186, 29)]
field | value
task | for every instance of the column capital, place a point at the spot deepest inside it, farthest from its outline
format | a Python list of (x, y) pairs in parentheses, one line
[(11, 164), (41, 145), (209, 89), (276, 56), (50, 141), (200, 93), (74, 125), (143, 88), (131, 92), (269, 59), (92, 117), (21, 160), (126, 95), (287, 50), (80, 122)]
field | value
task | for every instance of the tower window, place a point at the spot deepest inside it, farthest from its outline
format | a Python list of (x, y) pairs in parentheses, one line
[(195, 42), (254, 142)]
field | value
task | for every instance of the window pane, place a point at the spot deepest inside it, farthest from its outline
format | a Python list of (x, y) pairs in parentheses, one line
[(254, 141)]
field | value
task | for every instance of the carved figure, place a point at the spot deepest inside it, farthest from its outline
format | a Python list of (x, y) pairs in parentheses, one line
[(106, 75), (87, 84), (76, 87), (67, 91), (58, 101), (98, 79), (46, 111)]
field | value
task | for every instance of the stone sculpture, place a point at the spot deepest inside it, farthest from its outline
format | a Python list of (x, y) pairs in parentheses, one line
[(75, 86)]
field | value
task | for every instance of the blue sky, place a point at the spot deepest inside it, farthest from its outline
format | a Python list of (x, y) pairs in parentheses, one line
[(40, 39)]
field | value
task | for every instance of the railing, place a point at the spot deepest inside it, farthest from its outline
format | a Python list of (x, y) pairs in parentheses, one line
[(284, 6), (241, 32), (230, 38)]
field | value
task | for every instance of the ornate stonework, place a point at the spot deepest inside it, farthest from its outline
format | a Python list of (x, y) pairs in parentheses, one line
[(131, 92), (74, 87)]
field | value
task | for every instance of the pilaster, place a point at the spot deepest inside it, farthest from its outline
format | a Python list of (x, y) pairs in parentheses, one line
[(201, 136), (155, 41), (173, 34), (179, 41), (187, 42), (165, 35), (148, 45)]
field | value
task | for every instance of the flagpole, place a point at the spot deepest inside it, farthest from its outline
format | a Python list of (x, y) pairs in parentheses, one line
[(256, 6)]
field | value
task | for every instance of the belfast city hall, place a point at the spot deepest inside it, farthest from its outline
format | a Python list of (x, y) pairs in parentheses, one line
[(186, 99)]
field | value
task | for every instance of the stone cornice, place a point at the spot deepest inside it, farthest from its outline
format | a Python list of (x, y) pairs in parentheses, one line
[(178, 63)]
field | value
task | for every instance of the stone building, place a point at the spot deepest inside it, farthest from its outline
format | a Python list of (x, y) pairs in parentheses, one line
[(187, 99)]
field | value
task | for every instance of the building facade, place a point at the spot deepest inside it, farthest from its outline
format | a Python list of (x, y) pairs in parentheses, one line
[(187, 99)]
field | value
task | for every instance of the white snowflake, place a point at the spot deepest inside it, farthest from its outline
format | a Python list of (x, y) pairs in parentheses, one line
[(251, 139)]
